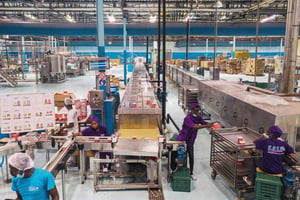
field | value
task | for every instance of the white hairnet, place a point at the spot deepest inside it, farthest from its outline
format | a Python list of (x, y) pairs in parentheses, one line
[(21, 161), (68, 101)]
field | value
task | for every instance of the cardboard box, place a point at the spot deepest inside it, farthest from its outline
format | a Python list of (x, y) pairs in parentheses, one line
[(60, 97)]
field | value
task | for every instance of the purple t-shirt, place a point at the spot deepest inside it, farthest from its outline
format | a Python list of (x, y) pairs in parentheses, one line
[(188, 133), (102, 131), (273, 154)]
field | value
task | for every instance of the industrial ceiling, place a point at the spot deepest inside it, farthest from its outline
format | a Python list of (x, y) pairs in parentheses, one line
[(140, 11)]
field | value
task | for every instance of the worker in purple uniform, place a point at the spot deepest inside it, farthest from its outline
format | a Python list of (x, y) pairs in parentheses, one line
[(192, 122), (274, 149), (95, 130)]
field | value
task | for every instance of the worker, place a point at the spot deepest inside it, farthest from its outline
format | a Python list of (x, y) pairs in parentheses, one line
[(139, 63), (30, 182), (72, 118), (192, 122), (95, 130), (273, 151)]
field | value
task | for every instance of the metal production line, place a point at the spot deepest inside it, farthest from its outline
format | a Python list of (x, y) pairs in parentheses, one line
[(145, 154)]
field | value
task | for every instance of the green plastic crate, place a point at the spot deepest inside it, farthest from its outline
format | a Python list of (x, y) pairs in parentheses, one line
[(181, 180), (268, 187), (200, 71)]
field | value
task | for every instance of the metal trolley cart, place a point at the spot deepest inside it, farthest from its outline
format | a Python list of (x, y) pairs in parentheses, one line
[(187, 94), (230, 158)]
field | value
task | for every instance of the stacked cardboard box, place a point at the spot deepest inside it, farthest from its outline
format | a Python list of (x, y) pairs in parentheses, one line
[(207, 64), (200, 58), (249, 68), (221, 63), (60, 97), (179, 62), (115, 80), (233, 66), (115, 62)]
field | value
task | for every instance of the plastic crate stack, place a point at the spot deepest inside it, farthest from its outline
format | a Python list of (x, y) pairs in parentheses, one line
[(181, 180), (268, 187)]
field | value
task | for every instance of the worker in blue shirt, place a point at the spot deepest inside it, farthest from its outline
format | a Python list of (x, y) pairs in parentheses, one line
[(30, 182)]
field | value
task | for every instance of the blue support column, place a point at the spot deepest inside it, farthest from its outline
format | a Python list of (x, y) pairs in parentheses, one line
[(100, 29), (100, 39), (23, 59), (124, 52), (130, 44)]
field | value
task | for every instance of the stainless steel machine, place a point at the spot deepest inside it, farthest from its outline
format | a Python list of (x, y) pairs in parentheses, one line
[(235, 104), (54, 70)]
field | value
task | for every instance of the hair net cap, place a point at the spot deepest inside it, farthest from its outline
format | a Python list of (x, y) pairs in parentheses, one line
[(68, 101), (21, 161), (194, 105), (95, 119), (275, 130)]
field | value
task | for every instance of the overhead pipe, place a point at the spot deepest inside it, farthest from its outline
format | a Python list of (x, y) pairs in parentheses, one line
[(164, 67), (268, 92), (158, 49), (256, 41), (187, 39), (92, 9), (147, 51)]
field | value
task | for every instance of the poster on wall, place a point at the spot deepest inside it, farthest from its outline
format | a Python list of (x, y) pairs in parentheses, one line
[(26, 112)]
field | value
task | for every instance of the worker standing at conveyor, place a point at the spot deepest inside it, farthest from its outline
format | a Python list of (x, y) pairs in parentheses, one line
[(274, 149), (192, 122), (72, 118), (30, 182), (95, 130)]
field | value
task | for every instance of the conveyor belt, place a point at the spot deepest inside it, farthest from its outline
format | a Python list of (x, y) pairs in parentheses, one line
[(61, 155), (155, 194)]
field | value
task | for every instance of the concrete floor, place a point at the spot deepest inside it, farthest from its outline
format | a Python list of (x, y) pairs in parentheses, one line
[(203, 188)]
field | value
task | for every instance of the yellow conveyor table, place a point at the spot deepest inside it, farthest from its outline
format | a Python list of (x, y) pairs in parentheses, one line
[(139, 134)]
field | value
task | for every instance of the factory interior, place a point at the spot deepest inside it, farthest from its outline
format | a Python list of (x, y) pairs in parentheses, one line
[(139, 69)]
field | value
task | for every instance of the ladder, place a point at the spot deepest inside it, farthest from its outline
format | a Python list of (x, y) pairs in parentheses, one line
[(8, 78)]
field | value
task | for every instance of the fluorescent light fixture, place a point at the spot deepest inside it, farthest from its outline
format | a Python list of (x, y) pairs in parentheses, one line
[(111, 18), (28, 15), (152, 19), (189, 16), (223, 17), (218, 4), (70, 19), (272, 17)]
